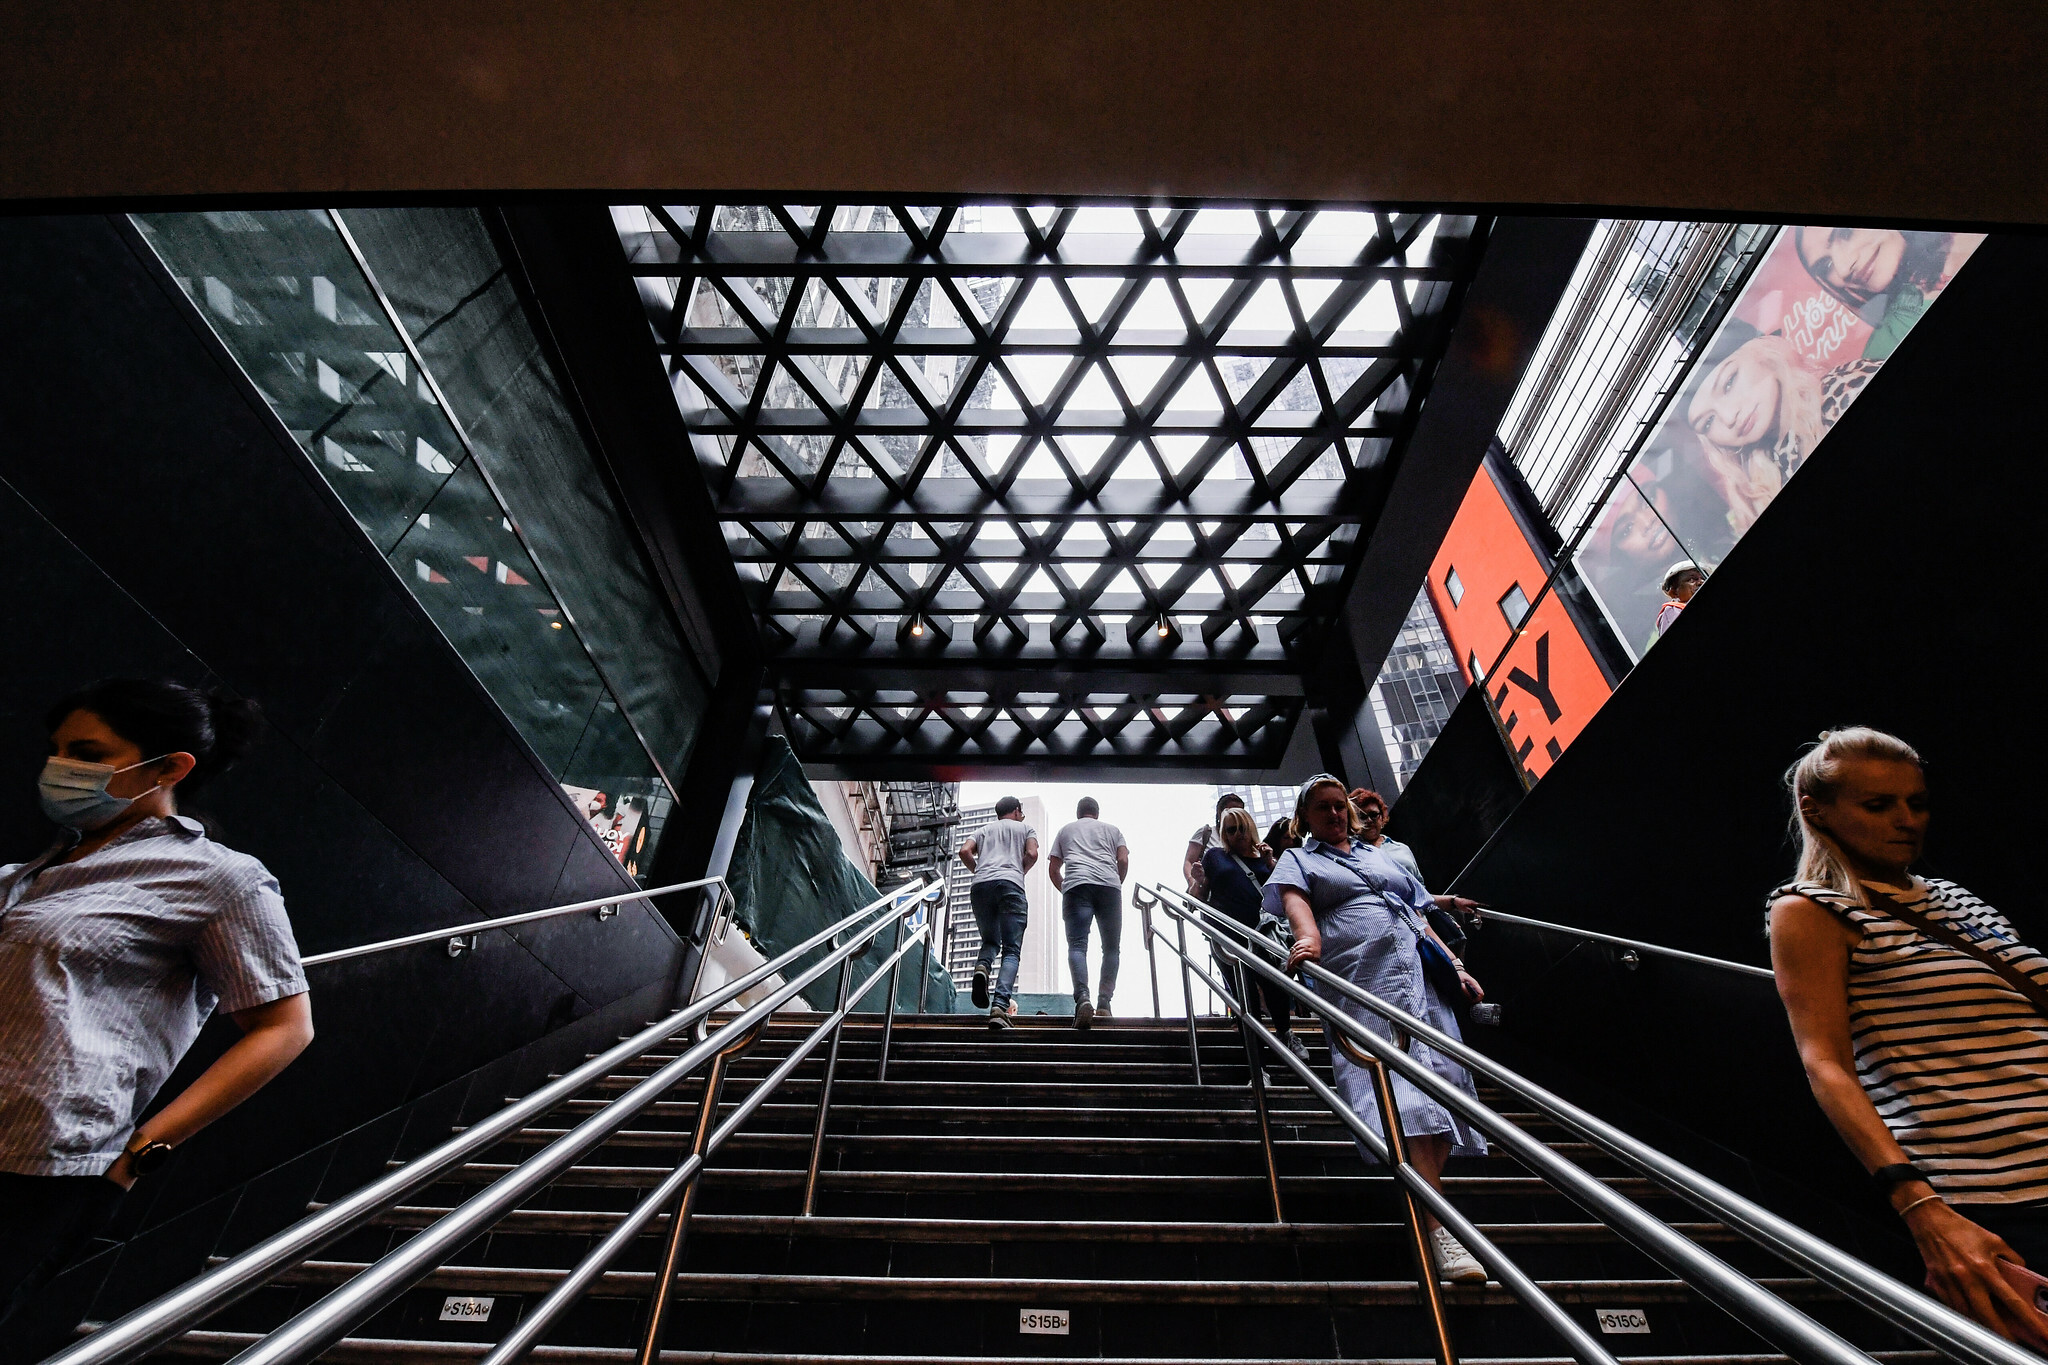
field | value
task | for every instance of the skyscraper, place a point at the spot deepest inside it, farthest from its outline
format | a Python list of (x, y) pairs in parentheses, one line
[(1266, 804)]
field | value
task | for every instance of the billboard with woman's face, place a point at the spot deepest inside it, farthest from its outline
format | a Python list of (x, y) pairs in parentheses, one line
[(1816, 320)]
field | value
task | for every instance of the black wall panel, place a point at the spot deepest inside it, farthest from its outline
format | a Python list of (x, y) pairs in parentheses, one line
[(1894, 583), (1461, 792), (155, 519)]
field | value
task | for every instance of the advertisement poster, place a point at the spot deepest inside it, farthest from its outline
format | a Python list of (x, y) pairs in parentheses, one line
[(1485, 576), (1818, 317), (617, 819)]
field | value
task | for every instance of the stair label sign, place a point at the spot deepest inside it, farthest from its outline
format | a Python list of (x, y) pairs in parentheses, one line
[(455, 1308), (1042, 1322), (1626, 1321)]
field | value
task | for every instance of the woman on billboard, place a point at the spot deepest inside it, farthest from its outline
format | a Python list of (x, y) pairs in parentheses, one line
[(1759, 411), (1886, 276)]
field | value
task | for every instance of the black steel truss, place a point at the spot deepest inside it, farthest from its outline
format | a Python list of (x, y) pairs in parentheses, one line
[(1016, 483)]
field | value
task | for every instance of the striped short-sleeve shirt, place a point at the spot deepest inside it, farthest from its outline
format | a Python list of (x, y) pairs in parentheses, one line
[(1954, 1059), (108, 967)]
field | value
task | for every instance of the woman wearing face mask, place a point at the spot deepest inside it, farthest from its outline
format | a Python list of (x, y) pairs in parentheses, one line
[(1356, 912), (1922, 1022), (115, 945)]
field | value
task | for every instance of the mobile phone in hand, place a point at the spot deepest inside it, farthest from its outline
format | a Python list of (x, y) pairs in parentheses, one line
[(2034, 1289)]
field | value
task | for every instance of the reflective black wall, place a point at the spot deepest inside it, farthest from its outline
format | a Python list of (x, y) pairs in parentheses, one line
[(154, 519), (1894, 583)]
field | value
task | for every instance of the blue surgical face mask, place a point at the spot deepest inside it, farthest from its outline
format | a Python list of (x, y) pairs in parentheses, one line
[(74, 793)]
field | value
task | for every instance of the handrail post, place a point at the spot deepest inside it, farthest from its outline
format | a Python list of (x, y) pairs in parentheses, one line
[(1187, 993), (889, 1005), (924, 958), (722, 902), (1151, 950), (679, 1217), (825, 1095), (1251, 1057), (1418, 1227)]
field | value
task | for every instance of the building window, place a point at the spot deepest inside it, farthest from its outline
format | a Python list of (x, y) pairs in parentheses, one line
[(1454, 586), (1514, 604), (1477, 672)]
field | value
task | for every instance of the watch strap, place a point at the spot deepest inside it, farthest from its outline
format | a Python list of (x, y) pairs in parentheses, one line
[(1898, 1173), (149, 1157)]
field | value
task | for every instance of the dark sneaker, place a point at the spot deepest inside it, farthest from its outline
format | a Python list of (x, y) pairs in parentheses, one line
[(1084, 1016), (1102, 1010), (999, 1019), (978, 992)]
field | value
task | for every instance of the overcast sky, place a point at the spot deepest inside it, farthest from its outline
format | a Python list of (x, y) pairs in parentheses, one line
[(1157, 820)]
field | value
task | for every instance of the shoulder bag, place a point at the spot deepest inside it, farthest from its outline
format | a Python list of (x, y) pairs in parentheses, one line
[(2032, 990)]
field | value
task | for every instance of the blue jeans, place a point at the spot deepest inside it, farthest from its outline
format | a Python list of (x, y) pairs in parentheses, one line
[(1000, 912), (1081, 906)]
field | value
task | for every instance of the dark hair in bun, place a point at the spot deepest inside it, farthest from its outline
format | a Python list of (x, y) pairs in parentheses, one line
[(161, 717)]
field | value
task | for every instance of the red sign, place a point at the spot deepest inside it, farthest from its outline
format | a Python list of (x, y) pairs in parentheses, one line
[(1485, 577)]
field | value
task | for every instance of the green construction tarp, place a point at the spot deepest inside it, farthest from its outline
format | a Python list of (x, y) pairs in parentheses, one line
[(790, 879)]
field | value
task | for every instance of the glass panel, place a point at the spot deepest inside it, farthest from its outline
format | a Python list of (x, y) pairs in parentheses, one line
[(283, 292), (469, 571), (448, 284), (1625, 557)]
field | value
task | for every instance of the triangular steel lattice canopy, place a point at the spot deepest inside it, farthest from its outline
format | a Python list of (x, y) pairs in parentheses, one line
[(1016, 483)]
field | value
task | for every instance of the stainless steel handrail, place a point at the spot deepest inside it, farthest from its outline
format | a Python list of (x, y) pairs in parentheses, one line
[(455, 931), (673, 1190), (1581, 1343), (1917, 1314), (1143, 901), (322, 1324), (1636, 944), (144, 1329)]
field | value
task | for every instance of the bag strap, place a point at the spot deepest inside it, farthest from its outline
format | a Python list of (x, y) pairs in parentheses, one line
[(1254, 878), (2032, 990)]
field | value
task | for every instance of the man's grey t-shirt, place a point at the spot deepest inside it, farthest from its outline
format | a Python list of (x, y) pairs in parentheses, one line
[(1000, 851), (1087, 853)]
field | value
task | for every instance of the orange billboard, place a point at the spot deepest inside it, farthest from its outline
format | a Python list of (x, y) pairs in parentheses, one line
[(1487, 573)]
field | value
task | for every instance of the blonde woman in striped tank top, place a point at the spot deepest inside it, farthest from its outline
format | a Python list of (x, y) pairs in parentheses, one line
[(1929, 1063)]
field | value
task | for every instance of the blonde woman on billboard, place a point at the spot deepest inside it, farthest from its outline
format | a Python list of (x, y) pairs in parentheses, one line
[(1759, 412)]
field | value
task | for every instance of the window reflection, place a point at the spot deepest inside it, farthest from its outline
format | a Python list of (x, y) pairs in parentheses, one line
[(285, 295)]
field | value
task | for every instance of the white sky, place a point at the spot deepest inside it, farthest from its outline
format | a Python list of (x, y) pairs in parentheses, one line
[(1157, 820)]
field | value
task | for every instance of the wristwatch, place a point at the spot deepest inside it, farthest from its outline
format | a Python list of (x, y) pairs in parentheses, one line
[(1898, 1173), (149, 1157)]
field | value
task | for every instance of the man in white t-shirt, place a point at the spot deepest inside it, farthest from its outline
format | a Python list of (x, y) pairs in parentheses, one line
[(1088, 864), (999, 854)]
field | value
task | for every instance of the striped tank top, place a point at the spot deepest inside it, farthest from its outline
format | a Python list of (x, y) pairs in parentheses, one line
[(1954, 1059)]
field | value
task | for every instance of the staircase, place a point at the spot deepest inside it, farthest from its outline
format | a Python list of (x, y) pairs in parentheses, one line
[(1075, 1177)]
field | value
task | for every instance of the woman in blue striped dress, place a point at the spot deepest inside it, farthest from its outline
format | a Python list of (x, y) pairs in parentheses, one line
[(1914, 1005)]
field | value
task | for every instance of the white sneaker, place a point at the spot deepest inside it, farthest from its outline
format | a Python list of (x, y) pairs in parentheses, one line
[(1453, 1262)]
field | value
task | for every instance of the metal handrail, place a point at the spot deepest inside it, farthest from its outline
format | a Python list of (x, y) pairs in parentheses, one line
[(680, 1182), (460, 931), (1919, 1315), (520, 1342), (888, 1030), (325, 1322), (141, 1331), (1518, 1281), (1636, 944)]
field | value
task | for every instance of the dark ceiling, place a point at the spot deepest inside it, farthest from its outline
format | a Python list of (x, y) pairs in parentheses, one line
[(1766, 110)]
